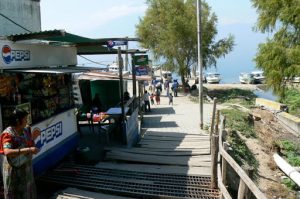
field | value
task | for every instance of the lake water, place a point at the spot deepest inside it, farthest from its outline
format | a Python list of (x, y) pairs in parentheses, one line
[(266, 94), (228, 78)]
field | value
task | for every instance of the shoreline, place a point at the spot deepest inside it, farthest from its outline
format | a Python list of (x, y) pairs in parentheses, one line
[(225, 86)]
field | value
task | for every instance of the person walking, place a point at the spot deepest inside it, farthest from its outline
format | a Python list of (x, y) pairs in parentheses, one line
[(158, 86), (167, 86), (157, 96), (175, 86), (170, 99), (152, 98), (17, 147), (146, 101)]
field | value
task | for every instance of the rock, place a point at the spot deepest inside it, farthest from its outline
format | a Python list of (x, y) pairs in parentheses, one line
[(256, 116), (283, 177)]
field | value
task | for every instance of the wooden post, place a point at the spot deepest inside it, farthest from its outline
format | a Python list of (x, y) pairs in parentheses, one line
[(213, 117), (223, 133), (224, 123), (222, 138), (216, 130), (224, 165), (214, 160), (243, 188), (251, 174)]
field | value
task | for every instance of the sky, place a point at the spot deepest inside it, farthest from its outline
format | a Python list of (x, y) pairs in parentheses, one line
[(118, 18)]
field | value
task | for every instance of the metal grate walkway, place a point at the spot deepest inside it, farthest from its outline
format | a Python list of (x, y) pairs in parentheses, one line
[(131, 183)]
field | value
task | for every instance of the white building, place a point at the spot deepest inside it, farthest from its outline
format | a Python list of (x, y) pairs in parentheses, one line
[(16, 13)]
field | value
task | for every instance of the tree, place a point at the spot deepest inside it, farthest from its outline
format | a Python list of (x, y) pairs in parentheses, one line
[(169, 30), (279, 57)]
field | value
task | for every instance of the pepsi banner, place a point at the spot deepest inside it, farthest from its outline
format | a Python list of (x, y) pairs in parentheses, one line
[(35, 55), (141, 70), (141, 65), (111, 44)]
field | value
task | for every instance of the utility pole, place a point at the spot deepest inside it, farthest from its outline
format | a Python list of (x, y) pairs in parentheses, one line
[(126, 55), (122, 123), (133, 75), (200, 62)]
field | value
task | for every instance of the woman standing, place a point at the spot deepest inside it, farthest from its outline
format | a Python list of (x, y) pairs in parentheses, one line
[(17, 145)]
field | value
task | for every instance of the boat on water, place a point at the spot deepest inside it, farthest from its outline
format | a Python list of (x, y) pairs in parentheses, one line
[(296, 80), (114, 67), (213, 78), (255, 77), (197, 77), (246, 78), (258, 76)]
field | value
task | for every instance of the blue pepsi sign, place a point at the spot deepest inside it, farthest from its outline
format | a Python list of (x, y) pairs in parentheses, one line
[(49, 134), (111, 43), (141, 70), (9, 55)]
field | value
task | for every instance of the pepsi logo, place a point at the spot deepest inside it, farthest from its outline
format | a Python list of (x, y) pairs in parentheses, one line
[(110, 44), (6, 54), (10, 55)]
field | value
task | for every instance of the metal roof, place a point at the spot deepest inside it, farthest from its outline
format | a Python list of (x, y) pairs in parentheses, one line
[(85, 46), (94, 75), (52, 70)]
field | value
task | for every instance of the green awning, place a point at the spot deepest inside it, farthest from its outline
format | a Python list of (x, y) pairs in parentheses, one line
[(85, 46)]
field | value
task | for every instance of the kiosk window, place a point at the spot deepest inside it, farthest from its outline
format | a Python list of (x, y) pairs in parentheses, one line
[(48, 94)]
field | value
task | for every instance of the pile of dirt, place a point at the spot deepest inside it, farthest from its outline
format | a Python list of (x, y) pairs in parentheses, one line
[(269, 131)]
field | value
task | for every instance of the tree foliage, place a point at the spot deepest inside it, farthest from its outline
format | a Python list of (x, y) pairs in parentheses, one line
[(279, 57), (169, 30)]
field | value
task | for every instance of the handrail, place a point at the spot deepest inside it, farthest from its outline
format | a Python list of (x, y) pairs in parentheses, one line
[(226, 158), (222, 187), (250, 184), (129, 101)]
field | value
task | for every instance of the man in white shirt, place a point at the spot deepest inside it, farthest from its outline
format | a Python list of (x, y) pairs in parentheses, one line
[(146, 100)]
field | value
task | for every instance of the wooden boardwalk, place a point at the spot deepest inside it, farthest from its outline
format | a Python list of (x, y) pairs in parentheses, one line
[(169, 141), (171, 160)]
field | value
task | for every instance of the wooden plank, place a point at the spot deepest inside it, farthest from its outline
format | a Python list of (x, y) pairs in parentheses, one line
[(178, 136), (159, 169), (172, 134), (175, 145), (176, 141), (255, 190), (163, 153), (160, 149), (204, 160), (185, 139)]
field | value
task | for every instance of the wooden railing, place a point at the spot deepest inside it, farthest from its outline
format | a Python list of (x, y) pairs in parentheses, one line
[(221, 159)]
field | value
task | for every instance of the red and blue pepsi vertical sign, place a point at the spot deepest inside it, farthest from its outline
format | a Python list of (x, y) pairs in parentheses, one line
[(141, 63), (9, 55)]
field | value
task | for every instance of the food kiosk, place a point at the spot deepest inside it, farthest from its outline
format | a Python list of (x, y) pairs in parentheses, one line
[(37, 77)]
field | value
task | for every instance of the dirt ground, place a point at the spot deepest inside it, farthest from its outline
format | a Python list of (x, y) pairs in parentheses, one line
[(268, 131)]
